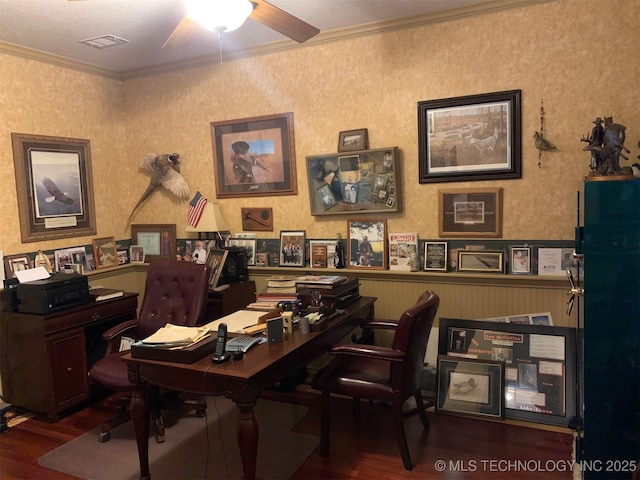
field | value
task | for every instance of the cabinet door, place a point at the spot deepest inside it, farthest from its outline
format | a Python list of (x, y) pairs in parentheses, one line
[(68, 369)]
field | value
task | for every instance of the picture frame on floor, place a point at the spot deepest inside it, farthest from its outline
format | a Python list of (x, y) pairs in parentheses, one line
[(470, 386)]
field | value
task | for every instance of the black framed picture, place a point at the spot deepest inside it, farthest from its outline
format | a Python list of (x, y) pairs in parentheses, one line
[(475, 137), (470, 386), (540, 367)]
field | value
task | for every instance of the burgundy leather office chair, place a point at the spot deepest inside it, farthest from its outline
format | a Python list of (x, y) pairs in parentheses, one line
[(176, 293), (389, 374)]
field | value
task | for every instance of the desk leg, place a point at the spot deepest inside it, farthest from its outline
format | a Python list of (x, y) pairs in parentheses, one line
[(140, 419), (248, 438)]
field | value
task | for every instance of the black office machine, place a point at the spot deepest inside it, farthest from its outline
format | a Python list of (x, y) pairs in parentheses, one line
[(59, 291)]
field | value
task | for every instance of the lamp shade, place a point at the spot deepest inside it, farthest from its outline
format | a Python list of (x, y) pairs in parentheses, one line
[(210, 221), (219, 15)]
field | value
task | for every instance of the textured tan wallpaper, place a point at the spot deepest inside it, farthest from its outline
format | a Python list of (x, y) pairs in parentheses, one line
[(579, 56)]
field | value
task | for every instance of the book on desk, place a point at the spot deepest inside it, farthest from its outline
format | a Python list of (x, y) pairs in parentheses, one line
[(99, 294)]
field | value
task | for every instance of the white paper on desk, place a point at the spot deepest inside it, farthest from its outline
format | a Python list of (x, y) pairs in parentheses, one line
[(31, 274), (237, 321), (176, 335)]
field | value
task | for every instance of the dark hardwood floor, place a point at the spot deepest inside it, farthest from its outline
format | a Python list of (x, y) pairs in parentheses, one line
[(362, 447)]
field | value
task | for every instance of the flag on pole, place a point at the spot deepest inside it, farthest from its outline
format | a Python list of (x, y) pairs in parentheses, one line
[(196, 207)]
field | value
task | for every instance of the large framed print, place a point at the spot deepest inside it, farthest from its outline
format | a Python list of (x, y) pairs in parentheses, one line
[(475, 137), (54, 187), (157, 240), (470, 213), (364, 181), (540, 364), (367, 243), (470, 386), (255, 156)]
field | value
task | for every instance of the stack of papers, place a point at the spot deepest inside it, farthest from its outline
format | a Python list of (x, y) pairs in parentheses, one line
[(176, 336)]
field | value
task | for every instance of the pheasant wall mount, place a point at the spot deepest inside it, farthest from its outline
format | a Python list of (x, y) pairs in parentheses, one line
[(165, 173)]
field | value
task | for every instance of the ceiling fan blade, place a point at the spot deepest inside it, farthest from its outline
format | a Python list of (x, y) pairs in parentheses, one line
[(185, 30), (282, 22)]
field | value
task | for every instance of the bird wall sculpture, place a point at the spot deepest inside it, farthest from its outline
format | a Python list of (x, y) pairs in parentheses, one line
[(165, 172)]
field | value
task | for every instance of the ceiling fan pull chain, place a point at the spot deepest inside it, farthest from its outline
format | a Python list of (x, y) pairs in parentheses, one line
[(220, 45)]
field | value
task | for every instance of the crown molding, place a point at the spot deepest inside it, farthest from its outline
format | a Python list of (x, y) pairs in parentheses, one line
[(330, 36)]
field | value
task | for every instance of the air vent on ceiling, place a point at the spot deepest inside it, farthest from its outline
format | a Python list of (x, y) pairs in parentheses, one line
[(104, 41)]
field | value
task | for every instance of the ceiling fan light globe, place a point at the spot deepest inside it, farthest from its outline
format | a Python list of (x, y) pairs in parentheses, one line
[(219, 15)]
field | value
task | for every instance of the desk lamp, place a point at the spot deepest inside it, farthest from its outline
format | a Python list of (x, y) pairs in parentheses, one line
[(211, 222)]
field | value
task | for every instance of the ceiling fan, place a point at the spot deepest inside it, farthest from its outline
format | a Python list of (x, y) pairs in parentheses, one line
[(201, 14)]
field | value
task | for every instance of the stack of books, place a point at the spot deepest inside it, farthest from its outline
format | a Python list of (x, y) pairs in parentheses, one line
[(278, 289), (336, 291)]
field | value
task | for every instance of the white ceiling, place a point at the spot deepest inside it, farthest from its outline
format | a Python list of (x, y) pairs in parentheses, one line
[(57, 26)]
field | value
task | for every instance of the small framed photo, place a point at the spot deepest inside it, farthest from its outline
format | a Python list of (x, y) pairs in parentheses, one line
[(104, 252), (470, 213), (520, 260), (350, 140), (123, 257), (15, 263), (367, 243), (215, 260), (480, 261), (321, 245), (292, 248), (158, 240), (136, 253), (262, 259), (435, 256), (470, 386), (326, 197), (318, 256), (247, 243)]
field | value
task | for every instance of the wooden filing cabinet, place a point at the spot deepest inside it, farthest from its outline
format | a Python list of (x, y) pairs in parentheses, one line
[(231, 299), (44, 359)]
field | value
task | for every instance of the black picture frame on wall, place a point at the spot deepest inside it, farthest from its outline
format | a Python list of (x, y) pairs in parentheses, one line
[(474, 137), (540, 364)]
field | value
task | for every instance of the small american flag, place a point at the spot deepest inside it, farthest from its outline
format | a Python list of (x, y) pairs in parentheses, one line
[(196, 207)]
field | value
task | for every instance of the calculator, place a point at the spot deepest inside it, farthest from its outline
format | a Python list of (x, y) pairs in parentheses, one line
[(242, 343)]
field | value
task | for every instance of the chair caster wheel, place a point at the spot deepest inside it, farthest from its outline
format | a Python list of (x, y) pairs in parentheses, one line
[(201, 413), (104, 436)]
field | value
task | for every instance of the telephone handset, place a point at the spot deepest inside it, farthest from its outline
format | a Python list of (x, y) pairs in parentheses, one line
[(219, 355)]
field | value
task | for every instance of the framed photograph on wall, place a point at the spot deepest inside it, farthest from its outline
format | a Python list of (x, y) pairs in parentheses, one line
[(292, 248), (255, 156), (367, 243), (435, 256), (366, 182), (158, 240), (104, 252), (351, 140), (475, 137), (470, 213), (55, 187), (470, 386)]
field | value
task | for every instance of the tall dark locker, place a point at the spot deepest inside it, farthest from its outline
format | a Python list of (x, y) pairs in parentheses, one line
[(611, 329)]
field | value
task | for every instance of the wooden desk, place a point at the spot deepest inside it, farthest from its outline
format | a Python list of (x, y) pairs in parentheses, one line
[(241, 381), (45, 358)]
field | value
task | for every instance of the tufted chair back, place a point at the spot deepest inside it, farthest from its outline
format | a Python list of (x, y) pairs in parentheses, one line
[(175, 292)]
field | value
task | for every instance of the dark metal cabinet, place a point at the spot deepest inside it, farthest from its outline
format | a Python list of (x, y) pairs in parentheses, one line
[(44, 359), (611, 443)]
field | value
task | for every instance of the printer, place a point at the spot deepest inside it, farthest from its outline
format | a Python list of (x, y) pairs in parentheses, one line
[(57, 292)]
